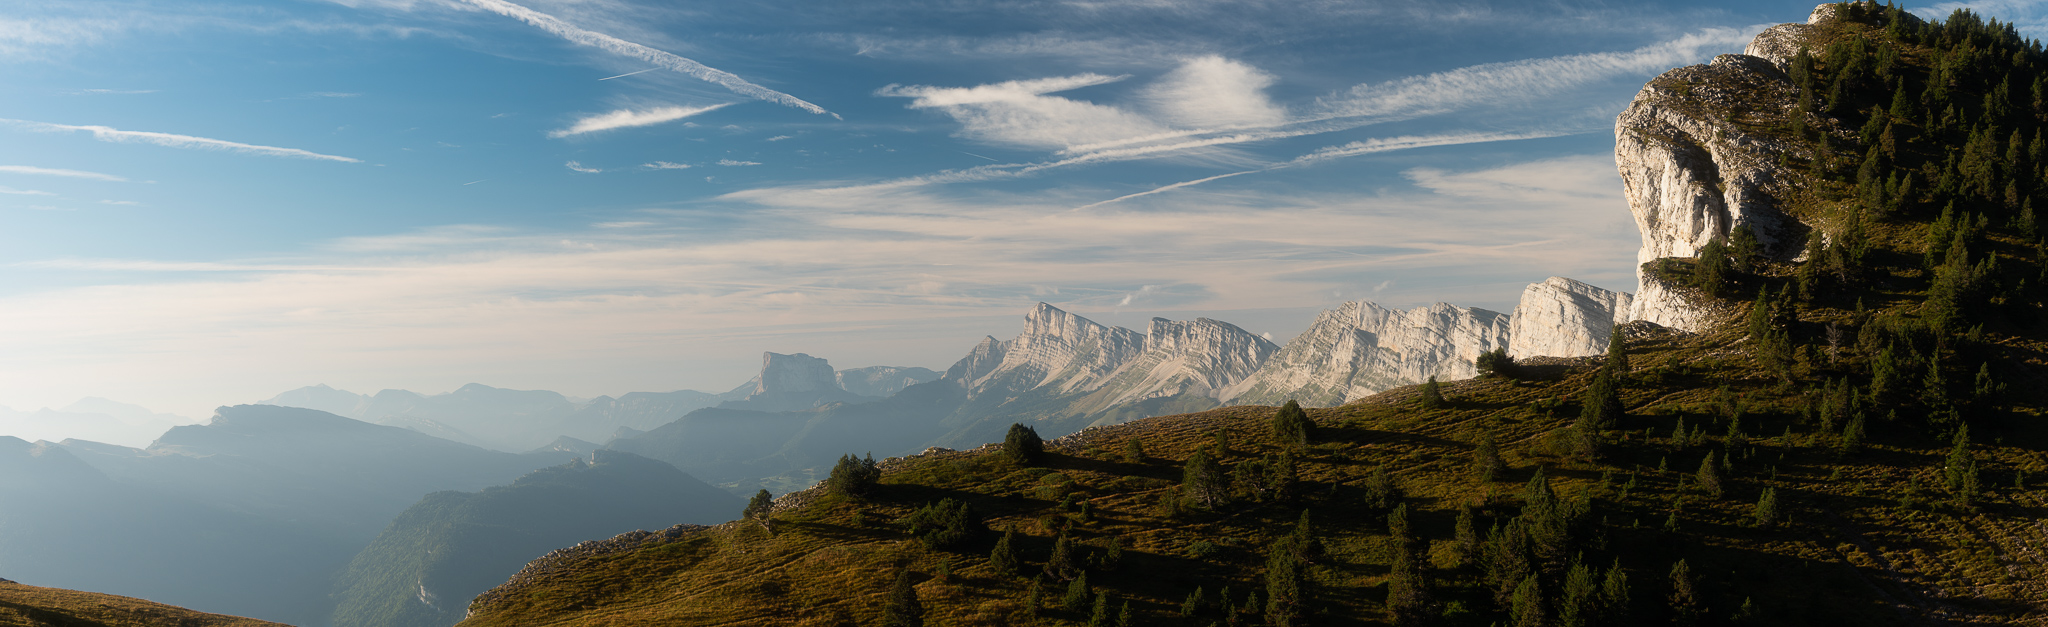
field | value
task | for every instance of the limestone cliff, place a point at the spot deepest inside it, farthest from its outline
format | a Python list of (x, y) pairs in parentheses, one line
[(1697, 159), (793, 383), (1361, 348), (1561, 317)]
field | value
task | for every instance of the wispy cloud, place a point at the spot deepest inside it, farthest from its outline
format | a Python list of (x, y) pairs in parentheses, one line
[(618, 46), (579, 168), (76, 174), (23, 192), (664, 165), (625, 118), (629, 74), (110, 134), (731, 162), (778, 138), (115, 92)]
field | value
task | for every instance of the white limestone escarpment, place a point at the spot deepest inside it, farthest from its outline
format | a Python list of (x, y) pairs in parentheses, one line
[(1361, 348), (1062, 354), (1694, 164), (1560, 317), (1197, 357), (793, 383)]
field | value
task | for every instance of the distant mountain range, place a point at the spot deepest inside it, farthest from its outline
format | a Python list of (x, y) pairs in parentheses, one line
[(523, 420), (95, 419)]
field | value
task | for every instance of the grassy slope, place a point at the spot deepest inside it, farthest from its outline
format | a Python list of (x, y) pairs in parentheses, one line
[(31, 606), (1871, 537)]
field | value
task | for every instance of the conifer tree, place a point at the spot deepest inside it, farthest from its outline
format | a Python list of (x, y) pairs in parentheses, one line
[(1134, 450), (1465, 535), (1004, 558), (1495, 363), (1034, 600), (758, 507), (1286, 584), (1616, 362), (854, 476), (1960, 470), (1397, 524), (1124, 616), (1022, 446), (1100, 616), (1710, 273), (1506, 559), (1709, 476), (1685, 604), (1203, 480), (903, 608), (1580, 605), (1614, 595), (1526, 607), (1432, 396), (1063, 564), (1409, 598), (1292, 426), (1193, 605), (1486, 460), (1380, 492), (1766, 513), (1077, 594)]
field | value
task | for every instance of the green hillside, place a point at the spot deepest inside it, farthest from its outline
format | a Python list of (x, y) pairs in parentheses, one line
[(441, 552), (1858, 440), (31, 606)]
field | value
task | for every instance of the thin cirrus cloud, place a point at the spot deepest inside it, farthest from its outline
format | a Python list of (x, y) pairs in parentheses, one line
[(1230, 95), (580, 168), (614, 45), (76, 174), (110, 134), (732, 162), (628, 118), (23, 192), (665, 165)]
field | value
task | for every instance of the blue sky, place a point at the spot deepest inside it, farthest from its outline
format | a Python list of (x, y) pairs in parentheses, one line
[(204, 203)]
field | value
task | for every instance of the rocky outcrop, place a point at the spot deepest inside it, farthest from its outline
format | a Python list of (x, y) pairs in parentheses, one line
[(1561, 317), (1200, 357), (1696, 161), (1057, 350), (1361, 348), (794, 383)]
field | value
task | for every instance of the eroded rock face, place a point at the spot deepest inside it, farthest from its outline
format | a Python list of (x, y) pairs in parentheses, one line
[(1199, 357), (1561, 317), (1060, 353), (1693, 170), (1361, 348)]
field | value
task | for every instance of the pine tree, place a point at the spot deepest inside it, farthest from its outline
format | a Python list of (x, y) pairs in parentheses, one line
[(1465, 535), (1077, 594), (1292, 426), (1113, 556), (1397, 524), (1614, 595), (1380, 492), (758, 507), (1193, 605), (1486, 460), (1063, 564), (1766, 513), (1134, 450), (1124, 617), (1203, 480), (1580, 605), (1616, 362), (1004, 558), (1022, 446), (903, 608), (1960, 470), (1709, 476), (1685, 604), (854, 476), (1100, 616), (1710, 273), (1408, 591), (1526, 607), (1495, 363), (1286, 584), (1432, 396), (1506, 559)]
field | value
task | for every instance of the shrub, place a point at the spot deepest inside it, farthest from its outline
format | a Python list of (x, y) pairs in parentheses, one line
[(1023, 446), (1496, 363), (945, 524), (854, 476)]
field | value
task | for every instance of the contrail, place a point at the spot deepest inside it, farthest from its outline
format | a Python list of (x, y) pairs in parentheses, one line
[(975, 155), (615, 45), (473, 182), (629, 74), (110, 134)]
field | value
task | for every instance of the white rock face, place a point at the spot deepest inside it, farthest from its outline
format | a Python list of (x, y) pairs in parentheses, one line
[(1691, 176), (1361, 348), (1060, 354), (1667, 305), (1198, 357), (1561, 317)]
